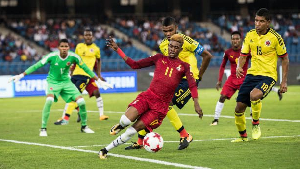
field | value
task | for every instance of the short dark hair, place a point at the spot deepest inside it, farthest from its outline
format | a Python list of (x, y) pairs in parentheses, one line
[(63, 41), (168, 21), (265, 13), (87, 30), (236, 33)]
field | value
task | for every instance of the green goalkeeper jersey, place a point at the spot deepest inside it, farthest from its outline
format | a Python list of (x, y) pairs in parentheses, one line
[(59, 67)]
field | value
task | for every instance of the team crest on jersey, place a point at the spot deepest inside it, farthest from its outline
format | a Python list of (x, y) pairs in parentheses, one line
[(51, 88), (68, 63), (92, 50), (268, 43), (178, 68), (231, 56)]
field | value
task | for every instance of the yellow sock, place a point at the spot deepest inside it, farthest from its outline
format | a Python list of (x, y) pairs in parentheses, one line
[(240, 121), (71, 107), (174, 118), (256, 109), (142, 132)]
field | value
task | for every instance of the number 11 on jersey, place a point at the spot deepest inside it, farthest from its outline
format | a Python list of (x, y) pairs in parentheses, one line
[(167, 72)]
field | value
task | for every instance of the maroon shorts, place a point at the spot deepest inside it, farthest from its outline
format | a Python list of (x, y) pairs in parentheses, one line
[(151, 109), (231, 86), (91, 87)]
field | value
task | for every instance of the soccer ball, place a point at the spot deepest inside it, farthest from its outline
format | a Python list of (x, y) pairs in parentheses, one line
[(153, 142)]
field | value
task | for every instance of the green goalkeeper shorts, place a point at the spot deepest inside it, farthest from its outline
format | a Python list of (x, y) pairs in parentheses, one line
[(67, 90)]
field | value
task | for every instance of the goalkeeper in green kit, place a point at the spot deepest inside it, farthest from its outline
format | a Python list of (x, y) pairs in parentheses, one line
[(59, 83)]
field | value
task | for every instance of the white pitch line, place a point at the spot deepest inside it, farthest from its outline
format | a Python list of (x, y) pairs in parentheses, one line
[(114, 155), (181, 114), (217, 139)]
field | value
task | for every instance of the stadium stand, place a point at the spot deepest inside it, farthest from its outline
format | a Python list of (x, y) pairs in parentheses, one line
[(47, 35), (16, 55)]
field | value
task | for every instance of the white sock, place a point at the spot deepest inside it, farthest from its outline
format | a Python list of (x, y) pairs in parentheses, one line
[(65, 109), (275, 89), (100, 105), (218, 110), (123, 138), (124, 121)]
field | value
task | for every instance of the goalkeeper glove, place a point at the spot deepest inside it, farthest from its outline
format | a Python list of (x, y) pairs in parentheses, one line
[(16, 78), (104, 84)]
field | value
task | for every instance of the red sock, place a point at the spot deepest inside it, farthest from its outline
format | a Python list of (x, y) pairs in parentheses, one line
[(255, 122), (66, 117), (140, 141), (244, 135), (183, 133)]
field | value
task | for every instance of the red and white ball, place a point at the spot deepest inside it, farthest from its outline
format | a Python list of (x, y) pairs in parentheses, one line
[(153, 142)]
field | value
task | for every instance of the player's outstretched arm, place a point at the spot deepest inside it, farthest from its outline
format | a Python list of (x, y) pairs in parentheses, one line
[(285, 69), (221, 71), (97, 68), (29, 70), (205, 62), (198, 108), (146, 62), (193, 89)]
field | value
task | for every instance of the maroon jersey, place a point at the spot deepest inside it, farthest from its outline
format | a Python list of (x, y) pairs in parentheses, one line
[(167, 75), (233, 56)]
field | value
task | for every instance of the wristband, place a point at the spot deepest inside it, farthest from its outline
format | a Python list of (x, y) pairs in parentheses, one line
[(121, 53)]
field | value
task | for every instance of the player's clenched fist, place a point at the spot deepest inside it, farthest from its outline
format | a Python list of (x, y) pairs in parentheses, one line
[(111, 43)]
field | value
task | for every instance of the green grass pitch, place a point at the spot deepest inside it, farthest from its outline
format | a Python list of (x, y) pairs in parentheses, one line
[(67, 147)]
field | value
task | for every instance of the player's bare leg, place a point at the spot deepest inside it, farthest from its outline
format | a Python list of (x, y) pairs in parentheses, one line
[(100, 106), (123, 138), (256, 105)]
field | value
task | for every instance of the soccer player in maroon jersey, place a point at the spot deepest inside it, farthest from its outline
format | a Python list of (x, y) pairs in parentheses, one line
[(233, 83), (151, 106)]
